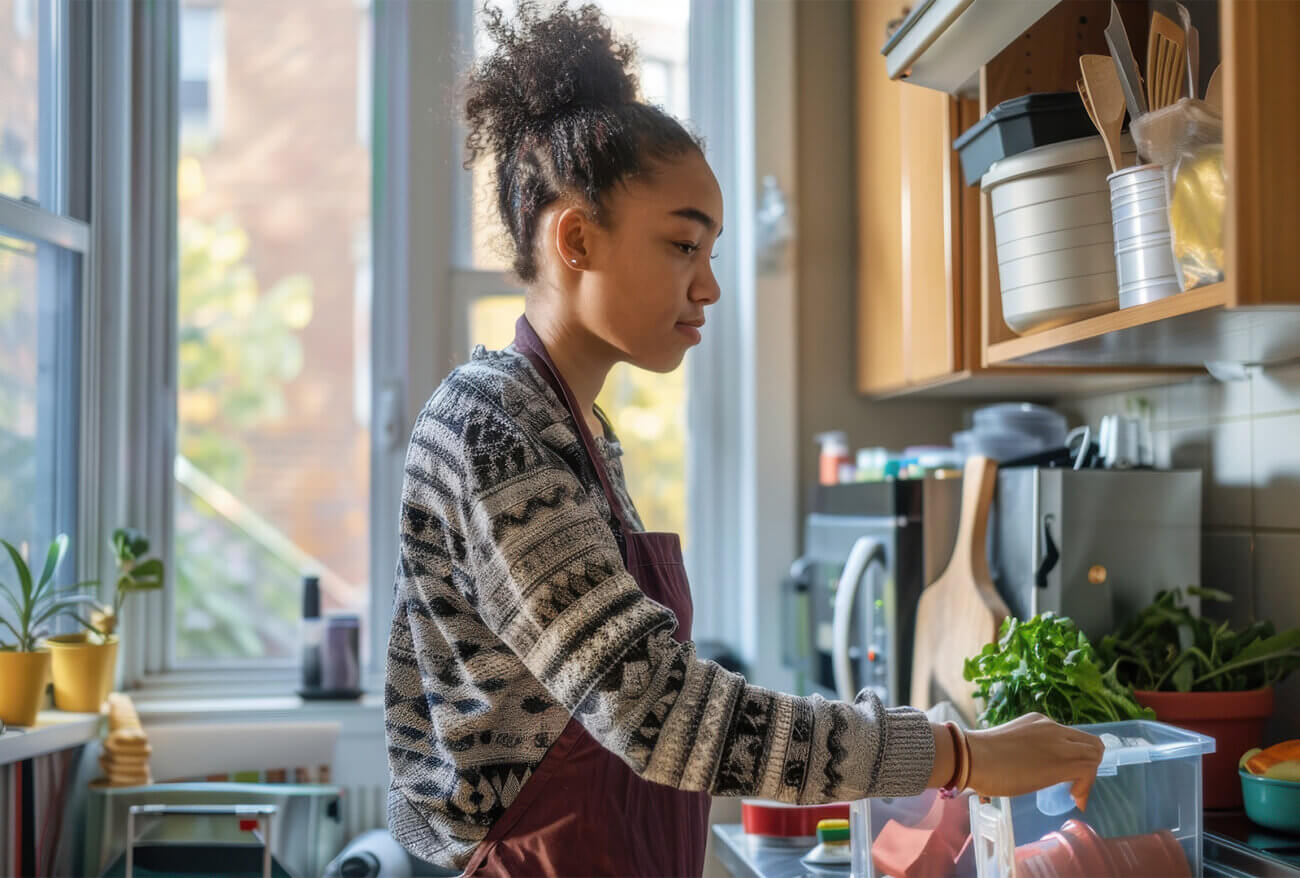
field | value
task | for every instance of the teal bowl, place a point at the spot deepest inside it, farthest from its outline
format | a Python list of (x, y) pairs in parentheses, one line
[(1271, 803)]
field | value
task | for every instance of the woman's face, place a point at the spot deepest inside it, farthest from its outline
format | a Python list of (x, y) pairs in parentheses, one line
[(646, 273)]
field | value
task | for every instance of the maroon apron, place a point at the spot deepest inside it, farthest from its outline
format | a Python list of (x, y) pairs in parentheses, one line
[(584, 811)]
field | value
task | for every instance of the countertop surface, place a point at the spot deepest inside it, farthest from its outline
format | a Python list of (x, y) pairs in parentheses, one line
[(1234, 848)]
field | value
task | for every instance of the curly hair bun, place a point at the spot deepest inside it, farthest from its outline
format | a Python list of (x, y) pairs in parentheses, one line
[(556, 108), (544, 66)]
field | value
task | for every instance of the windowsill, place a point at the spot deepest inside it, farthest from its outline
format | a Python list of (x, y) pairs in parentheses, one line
[(268, 708), (55, 730)]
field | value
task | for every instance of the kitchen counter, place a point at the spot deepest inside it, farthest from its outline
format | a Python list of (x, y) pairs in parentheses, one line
[(747, 857), (1234, 848)]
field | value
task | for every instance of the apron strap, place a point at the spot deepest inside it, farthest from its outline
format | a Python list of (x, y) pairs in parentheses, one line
[(530, 345)]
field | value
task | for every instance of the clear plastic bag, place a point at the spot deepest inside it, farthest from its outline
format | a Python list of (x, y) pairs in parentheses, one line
[(1187, 139)]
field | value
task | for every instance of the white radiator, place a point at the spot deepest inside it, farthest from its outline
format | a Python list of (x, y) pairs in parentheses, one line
[(365, 806)]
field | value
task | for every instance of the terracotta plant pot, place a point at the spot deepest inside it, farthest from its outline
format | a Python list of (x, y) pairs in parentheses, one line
[(1077, 850), (22, 683), (1236, 721), (83, 671)]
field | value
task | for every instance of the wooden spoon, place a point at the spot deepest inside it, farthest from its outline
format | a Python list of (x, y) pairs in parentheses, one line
[(1106, 98), (1087, 102), (1214, 89)]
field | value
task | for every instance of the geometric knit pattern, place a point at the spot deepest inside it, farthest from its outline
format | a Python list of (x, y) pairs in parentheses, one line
[(513, 612)]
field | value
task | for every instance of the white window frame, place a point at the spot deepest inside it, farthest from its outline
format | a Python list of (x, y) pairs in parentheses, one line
[(60, 219)]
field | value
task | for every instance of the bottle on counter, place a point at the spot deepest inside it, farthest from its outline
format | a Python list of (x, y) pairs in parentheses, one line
[(834, 454), (313, 633)]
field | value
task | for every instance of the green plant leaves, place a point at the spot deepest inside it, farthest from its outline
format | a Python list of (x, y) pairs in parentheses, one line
[(1166, 647), (1046, 664)]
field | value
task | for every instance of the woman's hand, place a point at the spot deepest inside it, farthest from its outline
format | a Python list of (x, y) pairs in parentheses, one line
[(1030, 753)]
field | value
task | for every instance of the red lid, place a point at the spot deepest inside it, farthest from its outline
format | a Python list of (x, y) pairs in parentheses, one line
[(776, 819)]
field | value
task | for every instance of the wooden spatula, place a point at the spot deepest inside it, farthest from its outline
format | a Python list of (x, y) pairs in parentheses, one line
[(1105, 97), (1166, 48), (1214, 89), (961, 610)]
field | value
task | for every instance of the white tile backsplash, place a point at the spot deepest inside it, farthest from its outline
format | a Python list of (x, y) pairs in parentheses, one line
[(1205, 399), (1277, 576), (1276, 390), (1227, 486), (1227, 563), (1276, 452), (1245, 436)]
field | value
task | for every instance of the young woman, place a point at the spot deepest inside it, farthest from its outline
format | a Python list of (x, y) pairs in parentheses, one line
[(546, 711)]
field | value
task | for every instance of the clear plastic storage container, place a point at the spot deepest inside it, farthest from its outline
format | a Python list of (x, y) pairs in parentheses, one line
[(1143, 819)]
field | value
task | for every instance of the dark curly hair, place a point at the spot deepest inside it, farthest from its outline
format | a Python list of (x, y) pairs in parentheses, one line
[(555, 106)]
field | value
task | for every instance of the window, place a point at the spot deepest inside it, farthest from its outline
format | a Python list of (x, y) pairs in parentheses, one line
[(42, 291), (272, 475), (202, 64), (648, 410), (40, 296)]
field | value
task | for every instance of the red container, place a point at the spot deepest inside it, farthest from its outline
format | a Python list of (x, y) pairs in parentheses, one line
[(779, 820), (1236, 721), (1077, 851)]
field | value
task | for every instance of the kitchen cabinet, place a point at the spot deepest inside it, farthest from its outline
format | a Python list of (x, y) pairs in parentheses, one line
[(914, 215), (929, 305)]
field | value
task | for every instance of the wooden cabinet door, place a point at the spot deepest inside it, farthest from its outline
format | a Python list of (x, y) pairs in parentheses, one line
[(909, 229), (931, 259), (879, 185)]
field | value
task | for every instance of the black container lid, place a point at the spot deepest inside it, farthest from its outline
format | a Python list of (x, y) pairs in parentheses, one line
[(311, 597), (1025, 105)]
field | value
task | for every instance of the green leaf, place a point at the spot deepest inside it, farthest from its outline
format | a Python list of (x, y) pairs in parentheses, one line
[(53, 558), (24, 575), (1183, 677), (1209, 594)]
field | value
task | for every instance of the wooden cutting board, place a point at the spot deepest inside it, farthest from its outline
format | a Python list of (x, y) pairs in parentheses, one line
[(961, 610)]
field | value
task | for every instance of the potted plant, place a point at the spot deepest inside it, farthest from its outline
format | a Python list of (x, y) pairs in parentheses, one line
[(24, 664), (85, 664), (1205, 676)]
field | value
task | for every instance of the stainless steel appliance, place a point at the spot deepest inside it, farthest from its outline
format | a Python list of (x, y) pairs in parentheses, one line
[(1094, 545), (869, 549)]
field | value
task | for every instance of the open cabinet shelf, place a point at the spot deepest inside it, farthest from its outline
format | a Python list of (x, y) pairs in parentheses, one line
[(1187, 329)]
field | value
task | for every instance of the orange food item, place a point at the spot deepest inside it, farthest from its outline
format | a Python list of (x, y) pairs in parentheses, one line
[(1261, 762)]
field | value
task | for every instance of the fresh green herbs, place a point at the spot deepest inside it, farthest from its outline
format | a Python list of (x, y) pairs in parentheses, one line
[(1047, 665), (1165, 647)]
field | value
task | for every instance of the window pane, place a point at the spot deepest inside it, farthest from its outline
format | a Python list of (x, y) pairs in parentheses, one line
[(660, 31), (273, 444), (40, 353), (26, 97), (648, 411)]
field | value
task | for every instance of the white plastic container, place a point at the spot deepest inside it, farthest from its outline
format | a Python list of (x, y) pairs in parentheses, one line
[(1143, 818), (1055, 240), (1144, 251)]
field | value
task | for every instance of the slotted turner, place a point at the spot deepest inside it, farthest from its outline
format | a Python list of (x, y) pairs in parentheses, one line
[(1166, 54)]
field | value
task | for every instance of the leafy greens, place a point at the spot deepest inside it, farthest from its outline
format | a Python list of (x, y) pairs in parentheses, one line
[(1165, 647), (1046, 664)]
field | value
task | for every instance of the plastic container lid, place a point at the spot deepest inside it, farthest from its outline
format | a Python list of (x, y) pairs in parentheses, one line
[(834, 442), (1017, 416), (1018, 125), (1132, 742), (1054, 155)]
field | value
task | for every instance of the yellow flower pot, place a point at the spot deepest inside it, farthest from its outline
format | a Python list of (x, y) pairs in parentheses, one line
[(22, 683), (83, 671)]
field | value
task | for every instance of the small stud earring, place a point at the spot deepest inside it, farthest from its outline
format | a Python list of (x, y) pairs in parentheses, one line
[(574, 260)]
